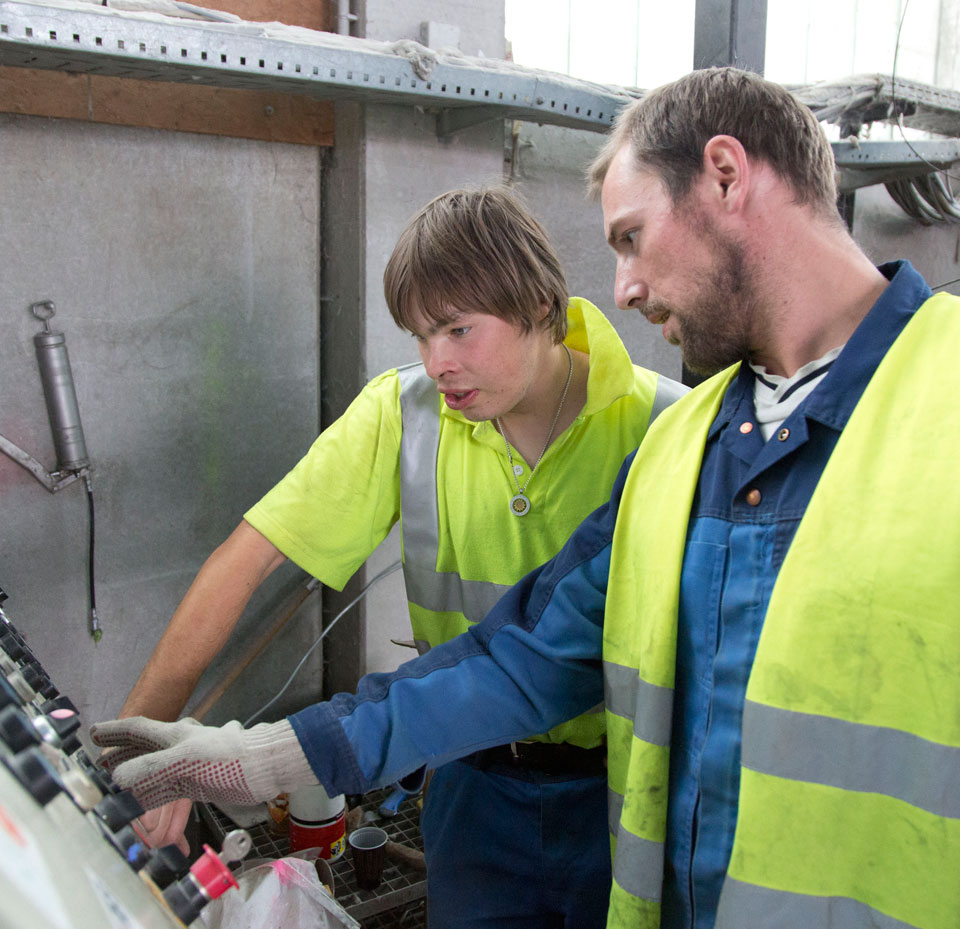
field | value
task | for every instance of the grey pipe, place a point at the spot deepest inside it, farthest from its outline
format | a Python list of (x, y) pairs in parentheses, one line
[(344, 17)]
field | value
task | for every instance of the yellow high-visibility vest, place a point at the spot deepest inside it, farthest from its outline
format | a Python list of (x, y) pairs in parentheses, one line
[(462, 547), (849, 807)]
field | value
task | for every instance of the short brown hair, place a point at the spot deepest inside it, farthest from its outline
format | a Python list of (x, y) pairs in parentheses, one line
[(476, 251), (668, 128)]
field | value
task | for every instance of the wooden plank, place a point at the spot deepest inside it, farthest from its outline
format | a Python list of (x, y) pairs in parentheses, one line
[(268, 116), (312, 14)]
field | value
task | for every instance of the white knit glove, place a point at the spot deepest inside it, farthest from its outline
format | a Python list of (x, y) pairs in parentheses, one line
[(161, 762)]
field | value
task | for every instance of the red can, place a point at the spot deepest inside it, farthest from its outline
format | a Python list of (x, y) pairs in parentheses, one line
[(317, 821)]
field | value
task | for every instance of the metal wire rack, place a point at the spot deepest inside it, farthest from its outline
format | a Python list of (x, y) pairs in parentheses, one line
[(400, 900)]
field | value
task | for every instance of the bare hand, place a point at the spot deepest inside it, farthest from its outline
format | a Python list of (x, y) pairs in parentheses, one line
[(165, 825)]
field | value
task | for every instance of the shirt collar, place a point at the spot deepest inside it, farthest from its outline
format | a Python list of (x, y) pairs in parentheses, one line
[(839, 392)]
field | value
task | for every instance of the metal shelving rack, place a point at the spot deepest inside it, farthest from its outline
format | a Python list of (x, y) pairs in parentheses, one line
[(462, 93), (224, 55)]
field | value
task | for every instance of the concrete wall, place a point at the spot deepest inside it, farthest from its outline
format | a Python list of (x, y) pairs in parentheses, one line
[(547, 166), (885, 232), (184, 269)]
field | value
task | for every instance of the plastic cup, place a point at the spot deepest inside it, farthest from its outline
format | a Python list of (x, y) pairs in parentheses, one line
[(368, 846)]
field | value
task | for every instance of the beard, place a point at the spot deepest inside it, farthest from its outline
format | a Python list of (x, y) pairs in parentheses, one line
[(718, 325)]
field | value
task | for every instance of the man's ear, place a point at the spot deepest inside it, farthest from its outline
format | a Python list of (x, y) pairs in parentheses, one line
[(726, 171)]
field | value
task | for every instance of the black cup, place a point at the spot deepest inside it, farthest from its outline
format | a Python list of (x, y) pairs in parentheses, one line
[(368, 846)]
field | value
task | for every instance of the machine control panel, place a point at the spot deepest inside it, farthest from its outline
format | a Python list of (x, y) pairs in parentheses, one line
[(71, 856)]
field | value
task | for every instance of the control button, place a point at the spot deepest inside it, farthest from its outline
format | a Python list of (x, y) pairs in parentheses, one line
[(783, 435), (754, 497), (35, 773), (17, 681), (16, 729), (166, 865), (66, 723), (117, 810), (37, 678), (746, 428), (135, 851), (208, 879), (60, 702), (8, 696), (212, 874), (186, 898), (98, 775), (9, 643)]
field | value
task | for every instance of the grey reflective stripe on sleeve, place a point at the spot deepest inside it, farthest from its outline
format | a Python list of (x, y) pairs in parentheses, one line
[(420, 519), (762, 908), (649, 706), (638, 865), (667, 392), (852, 756)]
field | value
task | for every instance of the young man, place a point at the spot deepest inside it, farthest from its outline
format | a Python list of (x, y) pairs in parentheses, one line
[(779, 625), (490, 453)]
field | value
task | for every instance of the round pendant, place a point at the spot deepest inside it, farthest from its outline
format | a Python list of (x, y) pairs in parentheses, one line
[(520, 505)]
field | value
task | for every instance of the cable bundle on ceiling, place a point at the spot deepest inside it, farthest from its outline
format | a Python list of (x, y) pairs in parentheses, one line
[(926, 199)]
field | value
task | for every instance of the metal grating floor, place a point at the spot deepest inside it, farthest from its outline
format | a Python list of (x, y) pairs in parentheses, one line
[(400, 900)]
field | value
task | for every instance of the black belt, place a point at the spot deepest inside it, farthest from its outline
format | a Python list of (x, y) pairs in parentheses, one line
[(546, 757)]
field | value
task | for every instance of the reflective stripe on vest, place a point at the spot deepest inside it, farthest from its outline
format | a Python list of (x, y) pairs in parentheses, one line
[(744, 905), (444, 592), (849, 805), (810, 748), (668, 391), (647, 706)]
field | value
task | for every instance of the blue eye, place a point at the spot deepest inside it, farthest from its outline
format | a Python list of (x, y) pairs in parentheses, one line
[(460, 330)]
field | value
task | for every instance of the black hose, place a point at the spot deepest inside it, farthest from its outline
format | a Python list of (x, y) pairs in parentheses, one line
[(95, 629)]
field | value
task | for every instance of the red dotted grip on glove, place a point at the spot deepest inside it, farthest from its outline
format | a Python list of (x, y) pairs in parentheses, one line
[(210, 781)]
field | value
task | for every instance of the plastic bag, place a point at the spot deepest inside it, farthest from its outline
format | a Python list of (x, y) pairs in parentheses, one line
[(281, 894)]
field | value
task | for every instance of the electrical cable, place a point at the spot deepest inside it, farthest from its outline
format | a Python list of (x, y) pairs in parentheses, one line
[(95, 629), (363, 592), (926, 199), (940, 196), (893, 93)]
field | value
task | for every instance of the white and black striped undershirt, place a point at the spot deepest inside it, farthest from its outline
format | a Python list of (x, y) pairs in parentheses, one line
[(775, 397)]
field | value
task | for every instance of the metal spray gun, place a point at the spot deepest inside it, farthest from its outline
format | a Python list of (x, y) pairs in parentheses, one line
[(63, 412)]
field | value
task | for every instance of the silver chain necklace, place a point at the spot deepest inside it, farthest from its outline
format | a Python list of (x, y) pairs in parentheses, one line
[(520, 502)]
